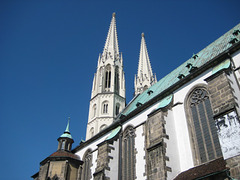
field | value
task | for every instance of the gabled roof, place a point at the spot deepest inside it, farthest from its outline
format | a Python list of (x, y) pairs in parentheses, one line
[(195, 62)]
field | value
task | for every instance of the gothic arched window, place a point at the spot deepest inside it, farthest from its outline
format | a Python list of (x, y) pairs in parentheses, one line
[(128, 154), (202, 127), (116, 80), (87, 163), (107, 77)]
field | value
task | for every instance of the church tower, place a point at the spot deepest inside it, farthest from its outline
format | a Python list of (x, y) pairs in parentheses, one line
[(145, 78), (108, 89)]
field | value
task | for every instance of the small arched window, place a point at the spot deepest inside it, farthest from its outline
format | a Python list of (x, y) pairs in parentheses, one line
[(63, 145), (117, 109), (105, 107), (103, 127), (107, 78), (145, 87), (94, 110), (128, 154), (87, 163), (91, 132), (202, 127)]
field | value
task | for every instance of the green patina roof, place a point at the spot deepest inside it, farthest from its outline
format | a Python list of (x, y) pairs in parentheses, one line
[(204, 56), (165, 101), (224, 65), (67, 132), (114, 133)]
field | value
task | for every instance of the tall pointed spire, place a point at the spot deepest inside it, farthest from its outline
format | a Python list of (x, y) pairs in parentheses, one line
[(67, 132), (145, 78), (111, 44), (108, 90)]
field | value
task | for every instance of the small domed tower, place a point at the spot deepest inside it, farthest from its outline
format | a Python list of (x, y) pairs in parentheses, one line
[(65, 141), (62, 164)]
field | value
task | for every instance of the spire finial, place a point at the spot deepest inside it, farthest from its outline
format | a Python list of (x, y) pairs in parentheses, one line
[(114, 14), (67, 131), (142, 34), (67, 128)]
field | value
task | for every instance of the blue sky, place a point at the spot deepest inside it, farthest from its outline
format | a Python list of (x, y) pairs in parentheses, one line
[(49, 52)]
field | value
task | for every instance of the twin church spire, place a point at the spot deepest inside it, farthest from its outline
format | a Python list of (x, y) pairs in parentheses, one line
[(108, 89), (144, 78)]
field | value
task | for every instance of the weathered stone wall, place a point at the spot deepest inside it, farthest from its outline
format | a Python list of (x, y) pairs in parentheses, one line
[(43, 172), (223, 100), (102, 161), (72, 171), (221, 95), (58, 169), (234, 165), (156, 147)]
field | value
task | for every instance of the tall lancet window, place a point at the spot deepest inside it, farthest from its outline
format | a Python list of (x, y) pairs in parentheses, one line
[(87, 163), (202, 127), (128, 154), (117, 80), (107, 78)]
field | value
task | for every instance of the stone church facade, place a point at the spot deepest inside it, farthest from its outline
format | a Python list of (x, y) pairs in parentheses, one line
[(184, 126)]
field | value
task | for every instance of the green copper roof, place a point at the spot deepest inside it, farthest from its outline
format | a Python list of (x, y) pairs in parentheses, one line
[(223, 65), (199, 59), (164, 102), (114, 133), (67, 132)]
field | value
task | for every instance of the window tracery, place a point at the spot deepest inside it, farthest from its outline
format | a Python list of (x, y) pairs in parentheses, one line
[(87, 163), (205, 140), (128, 154)]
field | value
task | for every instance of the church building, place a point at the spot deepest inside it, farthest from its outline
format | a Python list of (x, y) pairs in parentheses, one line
[(185, 126)]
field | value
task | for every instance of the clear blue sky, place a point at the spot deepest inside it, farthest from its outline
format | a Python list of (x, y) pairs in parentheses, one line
[(49, 51)]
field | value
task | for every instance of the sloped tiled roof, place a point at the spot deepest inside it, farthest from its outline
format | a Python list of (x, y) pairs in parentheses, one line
[(203, 57), (65, 154), (61, 155), (210, 168)]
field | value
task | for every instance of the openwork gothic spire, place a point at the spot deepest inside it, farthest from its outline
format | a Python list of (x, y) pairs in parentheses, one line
[(145, 78), (111, 49)]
